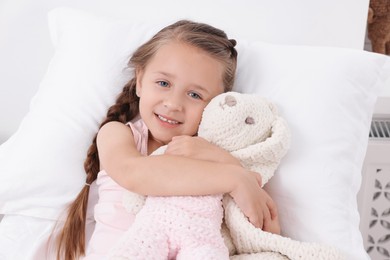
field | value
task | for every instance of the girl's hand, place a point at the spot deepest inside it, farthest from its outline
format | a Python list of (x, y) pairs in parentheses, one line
[(255, 203), (273, 226), (196, 147)]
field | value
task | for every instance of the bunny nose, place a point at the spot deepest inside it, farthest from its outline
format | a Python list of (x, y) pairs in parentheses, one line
[(230, 101)]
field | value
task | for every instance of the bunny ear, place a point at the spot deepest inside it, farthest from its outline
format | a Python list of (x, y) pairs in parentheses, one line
[(271, 105), (264, 157), (273, 108)]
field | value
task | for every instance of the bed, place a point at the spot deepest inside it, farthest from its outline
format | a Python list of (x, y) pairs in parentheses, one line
[(64, 65)]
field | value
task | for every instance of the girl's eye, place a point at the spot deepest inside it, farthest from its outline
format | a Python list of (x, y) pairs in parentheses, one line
[(163, 84), (194, 95)]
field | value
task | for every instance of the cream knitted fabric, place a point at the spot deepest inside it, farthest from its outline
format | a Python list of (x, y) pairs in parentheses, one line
[(264, 157), (251, 243), (260, 256)]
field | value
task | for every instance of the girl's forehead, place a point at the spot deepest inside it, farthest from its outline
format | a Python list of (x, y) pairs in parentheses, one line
[(184, 62), (181, 50)]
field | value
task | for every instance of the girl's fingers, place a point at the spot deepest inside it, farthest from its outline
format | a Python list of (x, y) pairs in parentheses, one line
[(257, 220), (272, 209), (266, 215)]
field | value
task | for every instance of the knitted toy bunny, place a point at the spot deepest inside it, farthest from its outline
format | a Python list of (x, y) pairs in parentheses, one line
[(189, 227)]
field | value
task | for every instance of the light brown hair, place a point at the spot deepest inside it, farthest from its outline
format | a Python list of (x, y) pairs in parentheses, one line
[(71, 239)]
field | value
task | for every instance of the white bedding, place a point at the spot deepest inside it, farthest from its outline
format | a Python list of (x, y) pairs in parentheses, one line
[(326, 94)]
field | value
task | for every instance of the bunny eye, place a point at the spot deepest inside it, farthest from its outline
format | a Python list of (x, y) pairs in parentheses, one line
[(249, 120)]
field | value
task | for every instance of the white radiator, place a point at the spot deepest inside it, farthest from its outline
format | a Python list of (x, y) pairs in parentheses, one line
[(374, 195)]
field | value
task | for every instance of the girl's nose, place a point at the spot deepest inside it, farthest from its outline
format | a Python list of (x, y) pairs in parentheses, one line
[(173, 102)]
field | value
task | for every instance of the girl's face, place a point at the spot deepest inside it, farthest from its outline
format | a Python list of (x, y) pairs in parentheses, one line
[(174, 88)]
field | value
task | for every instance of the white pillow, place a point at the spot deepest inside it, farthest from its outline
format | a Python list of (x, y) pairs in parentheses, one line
[(326, 94)]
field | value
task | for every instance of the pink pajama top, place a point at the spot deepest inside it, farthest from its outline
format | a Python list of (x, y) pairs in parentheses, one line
[(112, 219)]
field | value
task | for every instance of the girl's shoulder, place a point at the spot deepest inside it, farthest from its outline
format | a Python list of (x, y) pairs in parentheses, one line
[(112, 126), (134, 129), (119, 126), (113, 129)]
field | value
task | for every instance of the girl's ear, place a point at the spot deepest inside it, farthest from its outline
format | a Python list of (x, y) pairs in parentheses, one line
[(138, 75)]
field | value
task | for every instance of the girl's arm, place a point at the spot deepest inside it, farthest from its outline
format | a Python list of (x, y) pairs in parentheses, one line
[(162, 174), (169, 175), (199, 148)]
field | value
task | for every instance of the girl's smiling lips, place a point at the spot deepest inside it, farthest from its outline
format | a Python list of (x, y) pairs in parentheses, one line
[(166, 121)]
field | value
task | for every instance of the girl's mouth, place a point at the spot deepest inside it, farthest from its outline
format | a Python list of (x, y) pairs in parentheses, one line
[(166, 120)]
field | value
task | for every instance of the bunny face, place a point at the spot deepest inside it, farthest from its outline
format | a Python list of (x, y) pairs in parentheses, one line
[(234, 120)]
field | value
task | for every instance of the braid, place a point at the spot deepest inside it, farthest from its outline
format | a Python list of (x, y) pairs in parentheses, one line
[(126, 106), (124, 109), (71, 242)]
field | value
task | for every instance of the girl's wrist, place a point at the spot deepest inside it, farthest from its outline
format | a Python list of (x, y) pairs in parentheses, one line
[(238, 178), (227, 157)]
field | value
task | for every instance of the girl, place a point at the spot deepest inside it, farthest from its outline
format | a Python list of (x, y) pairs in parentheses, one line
[(176, 74)]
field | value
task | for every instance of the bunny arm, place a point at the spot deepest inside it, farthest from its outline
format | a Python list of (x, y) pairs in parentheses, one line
[(265, 156)]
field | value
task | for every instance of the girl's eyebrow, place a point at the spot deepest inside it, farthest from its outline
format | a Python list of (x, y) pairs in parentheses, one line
[(165, 73)]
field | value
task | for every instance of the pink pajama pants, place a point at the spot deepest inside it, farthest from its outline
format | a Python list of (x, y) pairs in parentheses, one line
[(186, 227)]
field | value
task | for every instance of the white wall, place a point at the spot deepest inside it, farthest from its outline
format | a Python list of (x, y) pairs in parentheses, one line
[(382, 106), (25, 48)]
